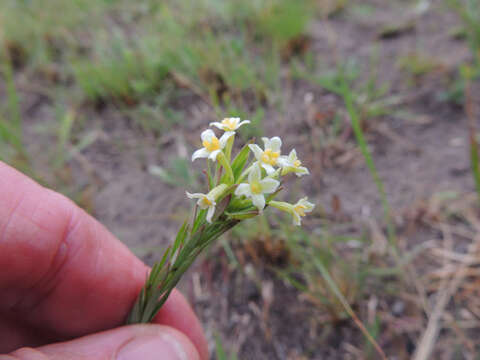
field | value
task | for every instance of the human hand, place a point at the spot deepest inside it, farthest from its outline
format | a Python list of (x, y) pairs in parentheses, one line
[(63, 276)]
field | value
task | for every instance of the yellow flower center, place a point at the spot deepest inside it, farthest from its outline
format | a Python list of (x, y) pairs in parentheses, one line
[(297, 163), (270, 157), (256, 187), (300, 209), (206, 201), (212, 145), (229, 123)]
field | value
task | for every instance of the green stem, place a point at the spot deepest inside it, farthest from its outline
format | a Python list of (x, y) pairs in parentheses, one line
[(165, 275), (209, 175), (222, 159), (229, 147), (244, 174)]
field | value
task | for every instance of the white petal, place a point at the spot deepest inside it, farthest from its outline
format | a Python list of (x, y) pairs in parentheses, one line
[(257, 151), (297, 220), (195, 195), (268, 168), (244, 122), (201, 204), (255, 174), (235, 120), (243, 189), (206, 201), (293, 155), (200, 153), (269, 185), (207, 135), (210, 212), (266, 142), (223, 140), (284, 161), (275, 144), (308, 205), (217, 125), (259, 201), (213, 155)]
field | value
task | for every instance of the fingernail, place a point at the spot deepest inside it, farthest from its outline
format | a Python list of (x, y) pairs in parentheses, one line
[(164, 347)]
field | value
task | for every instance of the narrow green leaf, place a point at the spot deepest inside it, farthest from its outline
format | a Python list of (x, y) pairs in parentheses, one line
[(240, 160), (220, 351), (12, 97), (341, 298), (64, 133), (8, 134), (201, 215), (182, 233)]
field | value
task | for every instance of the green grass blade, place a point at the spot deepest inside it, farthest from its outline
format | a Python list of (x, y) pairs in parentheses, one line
[(64, 133), (219, 350), (12, 98), (336, 291), (179, 241), (474, 158), (9, 135), (357, 128), (474, 163)]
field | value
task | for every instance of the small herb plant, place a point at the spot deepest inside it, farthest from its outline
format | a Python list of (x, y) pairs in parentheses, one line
[(238, 189)]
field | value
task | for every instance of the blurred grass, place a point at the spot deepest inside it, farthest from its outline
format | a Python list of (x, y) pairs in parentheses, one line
[(220, 352), (140, 57), (116, 50), (11, 125), (461, 91), (357, 128)]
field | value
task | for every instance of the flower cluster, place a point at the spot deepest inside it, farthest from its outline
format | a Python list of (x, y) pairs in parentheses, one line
[(238, 190), (246, 188)]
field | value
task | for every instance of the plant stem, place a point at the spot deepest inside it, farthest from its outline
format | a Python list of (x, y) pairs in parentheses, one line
[(229, 147), (226, 165), (165, 275)]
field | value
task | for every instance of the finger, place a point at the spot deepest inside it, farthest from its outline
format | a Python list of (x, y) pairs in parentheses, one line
[(177, 312), (127, 343), (62, 270)]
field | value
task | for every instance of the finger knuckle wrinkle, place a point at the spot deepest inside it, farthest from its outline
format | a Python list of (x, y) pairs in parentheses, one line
[(27, 353)]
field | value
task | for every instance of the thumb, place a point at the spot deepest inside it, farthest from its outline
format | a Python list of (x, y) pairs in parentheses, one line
[(126, 343)]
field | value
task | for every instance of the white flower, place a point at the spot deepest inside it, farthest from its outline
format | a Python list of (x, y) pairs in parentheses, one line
[(299, 209), (256, 187), (209, 201), (291, 163), (205, 201), (212, 146), (267, 158), (230, 124)]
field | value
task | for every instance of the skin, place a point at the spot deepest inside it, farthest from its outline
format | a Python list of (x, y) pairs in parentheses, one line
[(64, 276)]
